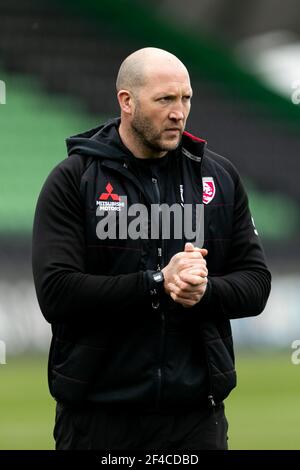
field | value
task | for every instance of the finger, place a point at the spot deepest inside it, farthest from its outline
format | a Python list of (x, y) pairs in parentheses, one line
[(186, 294), (179, 293), (191, 255), (184, 302), (192, 279), (188, 247), (196, 271), (191, 260), (192, 271), (187, 286), (203, 251)]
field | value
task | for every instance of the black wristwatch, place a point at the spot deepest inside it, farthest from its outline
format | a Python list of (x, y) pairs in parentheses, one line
[(158, 282), (158, 277)]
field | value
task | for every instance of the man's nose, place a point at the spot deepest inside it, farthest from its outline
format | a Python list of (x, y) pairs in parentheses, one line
[(176, 115)]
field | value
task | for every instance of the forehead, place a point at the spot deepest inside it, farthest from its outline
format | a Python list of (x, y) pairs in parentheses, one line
[(167, 79)]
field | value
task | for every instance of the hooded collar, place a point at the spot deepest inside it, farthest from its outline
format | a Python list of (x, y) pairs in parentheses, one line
[(104, 142)]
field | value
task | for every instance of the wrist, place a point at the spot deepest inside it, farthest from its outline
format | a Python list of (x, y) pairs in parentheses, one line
[(207, 294), (166, 281)]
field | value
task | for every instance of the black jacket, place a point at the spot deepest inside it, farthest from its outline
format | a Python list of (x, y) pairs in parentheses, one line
[(109, 343)]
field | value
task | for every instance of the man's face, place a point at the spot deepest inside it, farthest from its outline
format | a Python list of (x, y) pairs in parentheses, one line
[(162, 106)]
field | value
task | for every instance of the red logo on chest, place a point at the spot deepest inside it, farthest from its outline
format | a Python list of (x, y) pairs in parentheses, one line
[(105, 196), (209, 189)]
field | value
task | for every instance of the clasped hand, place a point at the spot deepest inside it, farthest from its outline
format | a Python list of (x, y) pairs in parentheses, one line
[(186, 276)]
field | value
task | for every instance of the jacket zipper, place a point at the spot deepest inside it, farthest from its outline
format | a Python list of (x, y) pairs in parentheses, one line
[(160, 265), (160, 251)]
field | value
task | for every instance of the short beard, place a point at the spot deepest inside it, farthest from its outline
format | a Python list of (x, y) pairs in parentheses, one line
[(146, 134)]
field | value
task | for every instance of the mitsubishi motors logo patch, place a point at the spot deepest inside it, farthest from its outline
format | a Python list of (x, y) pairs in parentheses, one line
[(109, 194), (110, 201), (209, 189)]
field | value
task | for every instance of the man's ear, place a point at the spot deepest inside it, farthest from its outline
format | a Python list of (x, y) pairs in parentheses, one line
[(126, 101)]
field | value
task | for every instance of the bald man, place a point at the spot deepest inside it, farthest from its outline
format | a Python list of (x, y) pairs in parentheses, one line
[(143, 250)]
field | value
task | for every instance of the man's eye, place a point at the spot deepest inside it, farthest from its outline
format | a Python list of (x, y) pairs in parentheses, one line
[(187, 98), (165, 98)]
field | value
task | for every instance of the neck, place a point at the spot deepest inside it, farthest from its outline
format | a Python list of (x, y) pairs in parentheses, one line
[(136, 147)]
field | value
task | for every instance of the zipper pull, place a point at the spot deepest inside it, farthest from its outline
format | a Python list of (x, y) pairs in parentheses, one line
[(213, 407), (211, 401), (159, 254)]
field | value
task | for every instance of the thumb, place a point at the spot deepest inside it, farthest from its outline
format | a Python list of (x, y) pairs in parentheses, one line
[(203, 251), (188, 247)]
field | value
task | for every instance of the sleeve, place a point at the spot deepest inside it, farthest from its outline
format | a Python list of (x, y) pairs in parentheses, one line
[(244, 290), (65, 290)]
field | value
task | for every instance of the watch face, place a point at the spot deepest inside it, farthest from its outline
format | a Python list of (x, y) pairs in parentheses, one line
[(158, 277)]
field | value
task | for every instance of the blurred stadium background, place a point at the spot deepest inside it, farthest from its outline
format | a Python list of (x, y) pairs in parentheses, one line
[(58, 64)]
